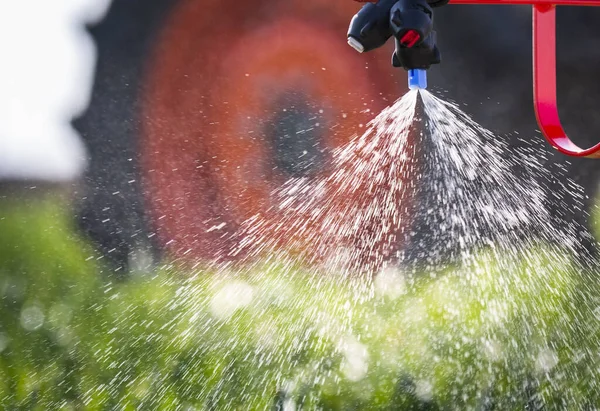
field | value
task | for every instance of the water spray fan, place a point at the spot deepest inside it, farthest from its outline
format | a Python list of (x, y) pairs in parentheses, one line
[(410, 22)]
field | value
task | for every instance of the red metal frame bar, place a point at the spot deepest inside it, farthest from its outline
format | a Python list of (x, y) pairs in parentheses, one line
[(544, 71), (544, 85)]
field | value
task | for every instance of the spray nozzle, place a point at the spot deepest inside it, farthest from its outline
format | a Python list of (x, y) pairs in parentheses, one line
[(417, 79), (410, 22)]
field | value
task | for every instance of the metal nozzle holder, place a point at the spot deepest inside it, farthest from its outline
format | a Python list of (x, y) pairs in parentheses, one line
[(410, 22)]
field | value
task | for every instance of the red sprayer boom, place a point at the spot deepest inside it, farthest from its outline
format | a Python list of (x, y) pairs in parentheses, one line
[(544, 59)]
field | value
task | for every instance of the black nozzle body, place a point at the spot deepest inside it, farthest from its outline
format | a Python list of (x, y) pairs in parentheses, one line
[(410, 22), (370, 27), (422, 56), (411, 16), (412, 26)]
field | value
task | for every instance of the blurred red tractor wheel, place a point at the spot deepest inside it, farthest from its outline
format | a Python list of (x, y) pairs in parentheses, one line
[(241, 97)]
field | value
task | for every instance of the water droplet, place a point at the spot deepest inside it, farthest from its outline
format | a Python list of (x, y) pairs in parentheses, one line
[(356, 359), (4, 341), (424, 390), (390, 282), (32, 318), (233, 296), (546, 360)]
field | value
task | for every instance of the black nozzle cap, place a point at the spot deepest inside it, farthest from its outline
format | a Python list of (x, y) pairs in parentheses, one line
[(370, 27), (418, 57)]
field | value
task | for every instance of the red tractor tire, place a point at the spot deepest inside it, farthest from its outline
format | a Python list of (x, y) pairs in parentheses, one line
[(222, 74)]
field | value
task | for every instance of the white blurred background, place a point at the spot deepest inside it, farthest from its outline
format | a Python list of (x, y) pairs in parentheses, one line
[(46, 74)]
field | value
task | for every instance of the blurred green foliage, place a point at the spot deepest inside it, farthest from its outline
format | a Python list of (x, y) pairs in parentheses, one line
[(503, 333)]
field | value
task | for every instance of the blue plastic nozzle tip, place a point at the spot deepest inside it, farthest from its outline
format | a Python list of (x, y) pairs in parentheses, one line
[(417, 79)]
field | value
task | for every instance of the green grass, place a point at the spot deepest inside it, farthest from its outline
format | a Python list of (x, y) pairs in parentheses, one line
[(499, 333)]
